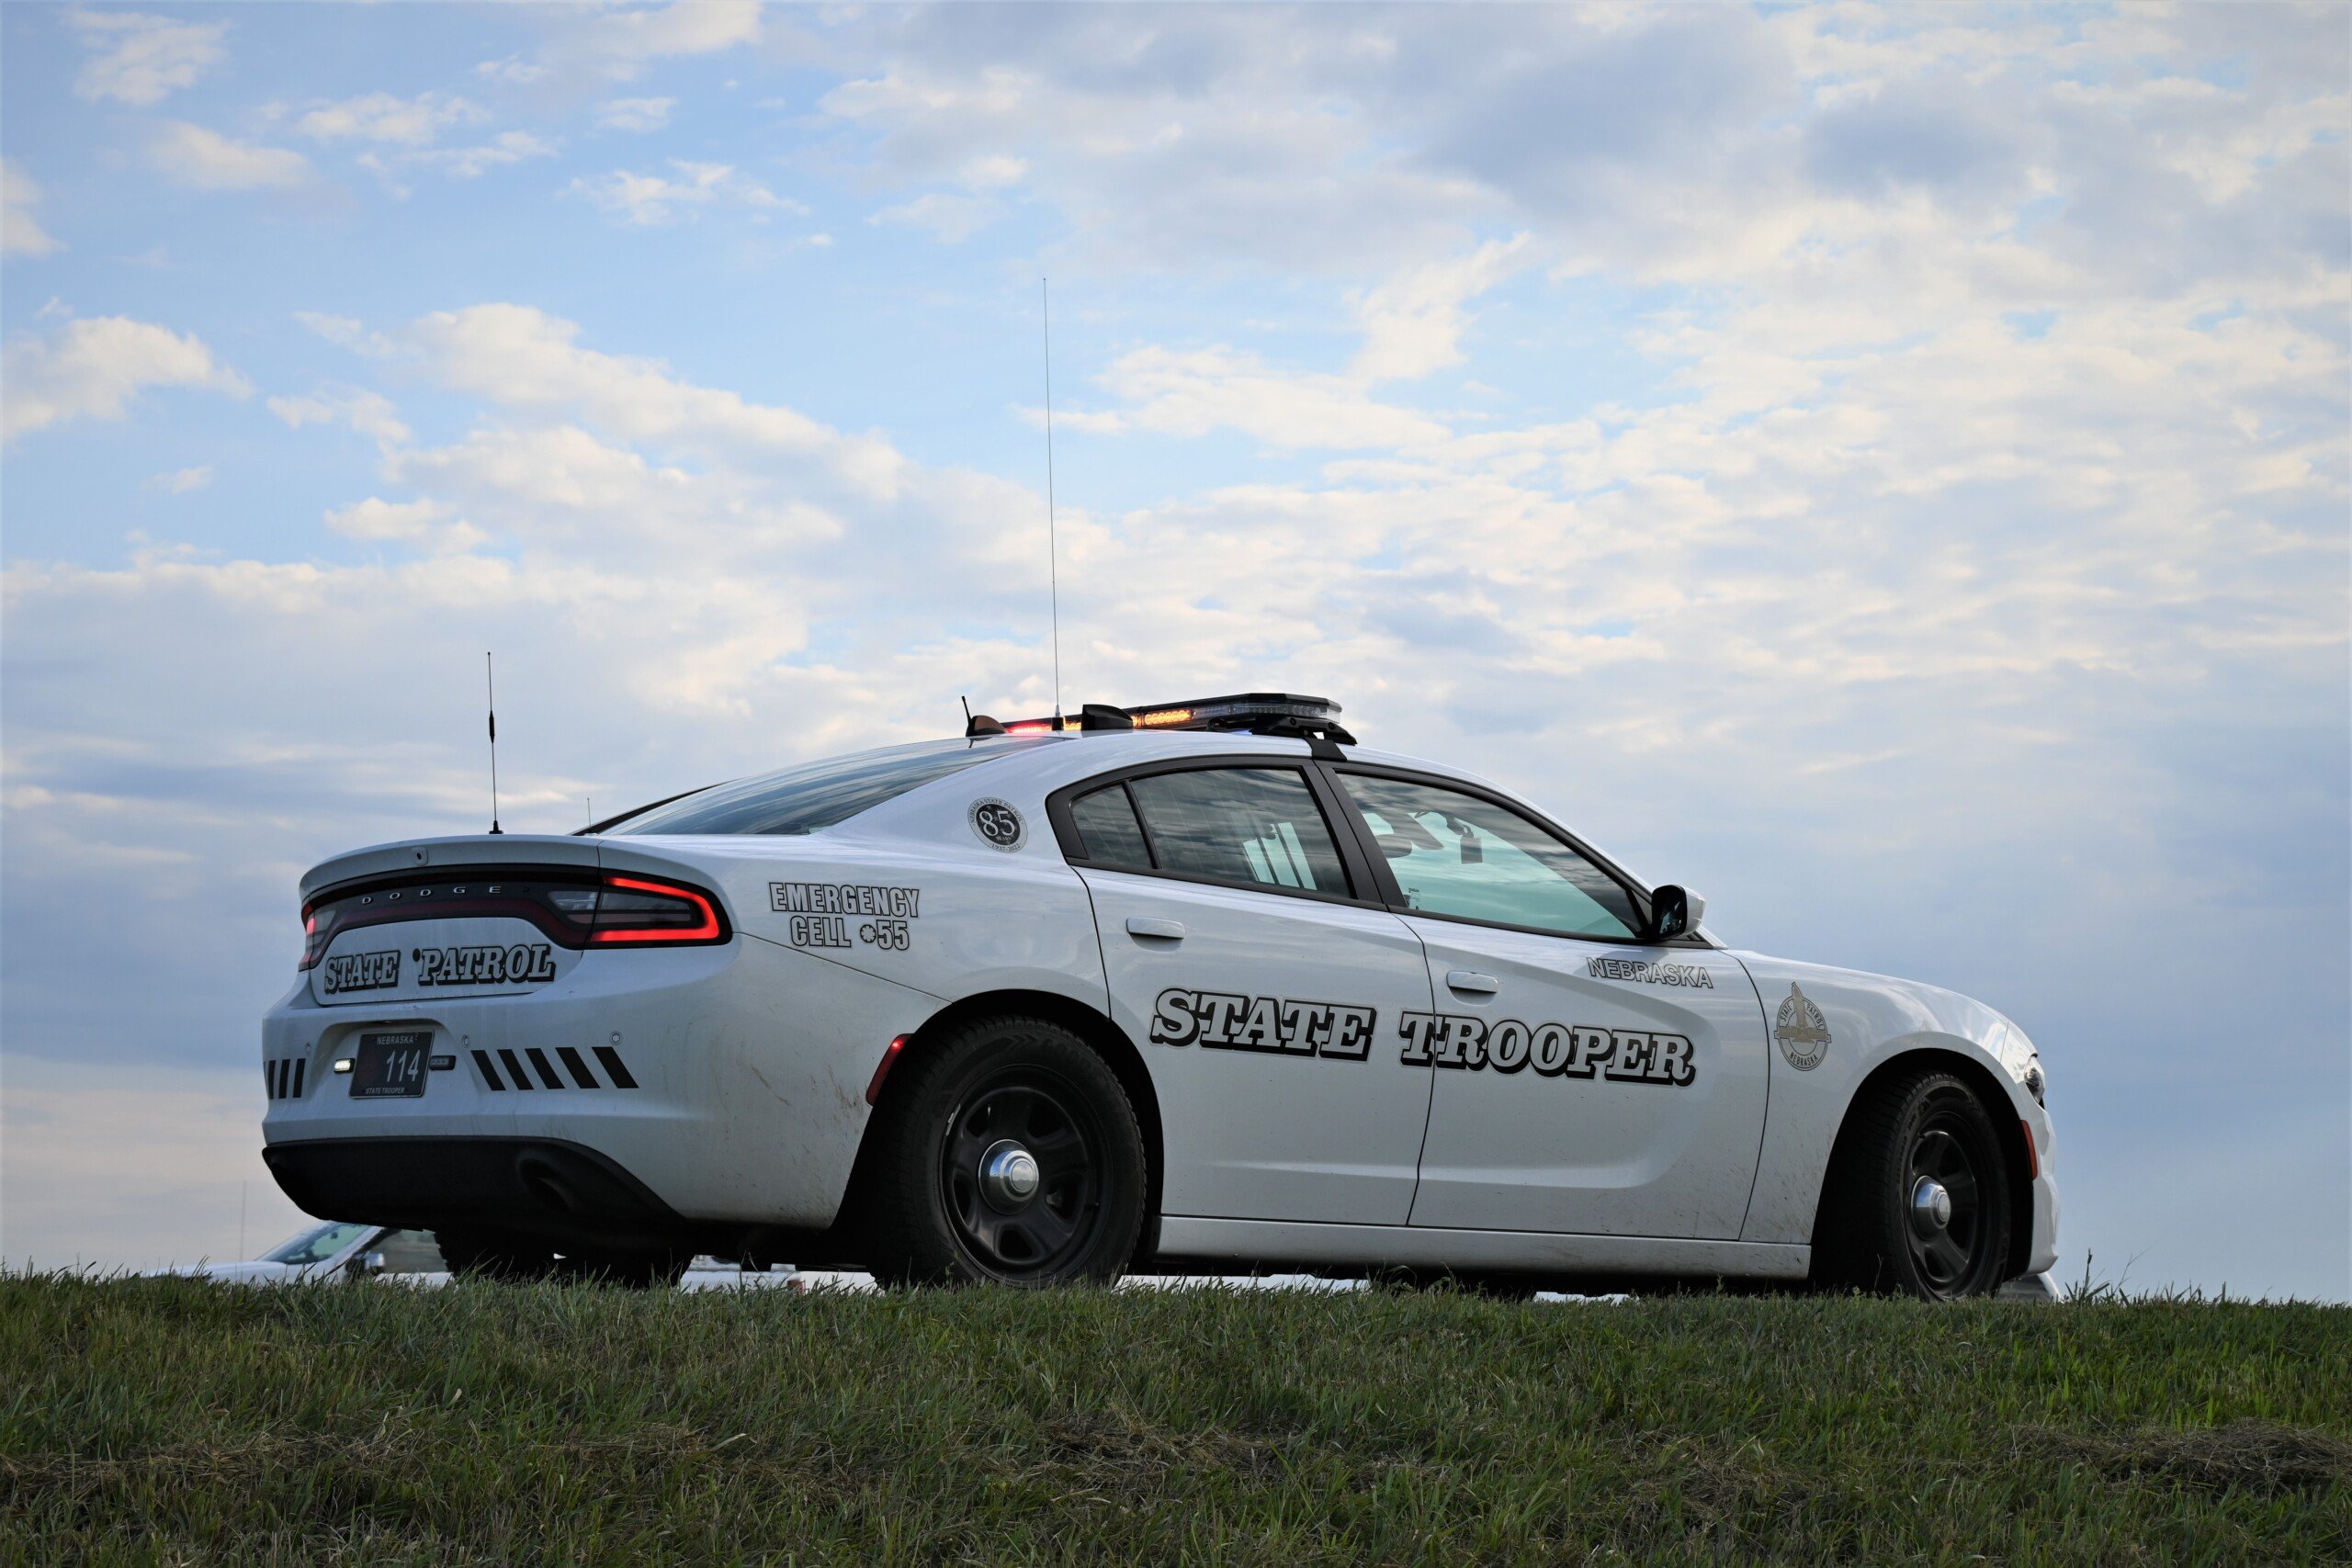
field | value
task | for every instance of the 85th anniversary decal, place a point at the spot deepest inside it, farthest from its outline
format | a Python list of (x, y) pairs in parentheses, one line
[(1460, 1040)]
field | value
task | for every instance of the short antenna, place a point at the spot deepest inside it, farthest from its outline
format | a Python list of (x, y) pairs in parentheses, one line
[(1053, 552), (490, 682)]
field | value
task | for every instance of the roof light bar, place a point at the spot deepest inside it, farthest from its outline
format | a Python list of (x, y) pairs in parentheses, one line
[(1261, 713)]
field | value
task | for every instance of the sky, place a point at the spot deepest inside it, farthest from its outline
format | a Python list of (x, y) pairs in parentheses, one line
[(1884, 467)]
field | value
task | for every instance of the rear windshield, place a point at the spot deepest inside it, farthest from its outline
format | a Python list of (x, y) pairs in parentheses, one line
[(817, 795)]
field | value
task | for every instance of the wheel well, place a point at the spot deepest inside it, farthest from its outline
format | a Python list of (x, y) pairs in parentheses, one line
[(1109, 1041), (2006, 1126)]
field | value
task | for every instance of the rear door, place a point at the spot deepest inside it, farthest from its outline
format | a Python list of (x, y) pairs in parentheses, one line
[(1249, 956), (1585, 1081)]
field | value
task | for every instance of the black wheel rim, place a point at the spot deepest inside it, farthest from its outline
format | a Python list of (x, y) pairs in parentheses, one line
[(1031, 1237), (1947, 1238)]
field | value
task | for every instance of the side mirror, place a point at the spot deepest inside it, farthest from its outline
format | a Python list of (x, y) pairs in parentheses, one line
[(1674, 911), (365, 1264)]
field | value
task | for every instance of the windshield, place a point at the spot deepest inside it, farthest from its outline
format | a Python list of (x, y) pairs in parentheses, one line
[(817, 795), (316, 1244)]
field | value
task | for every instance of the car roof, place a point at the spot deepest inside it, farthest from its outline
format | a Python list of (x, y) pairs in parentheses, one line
[(1072, 756)]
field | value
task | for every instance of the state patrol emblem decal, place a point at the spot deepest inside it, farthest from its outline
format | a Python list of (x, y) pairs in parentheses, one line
[(1800, 1031), (997, 824)]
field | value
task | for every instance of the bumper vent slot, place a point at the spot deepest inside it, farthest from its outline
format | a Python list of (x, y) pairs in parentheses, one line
[(518, 1076), (281, 1077)]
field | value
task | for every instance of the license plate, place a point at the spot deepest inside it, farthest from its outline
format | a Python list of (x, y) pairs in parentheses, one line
[(391, 1066)]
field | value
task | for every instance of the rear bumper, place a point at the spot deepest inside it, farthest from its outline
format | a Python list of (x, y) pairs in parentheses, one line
[(714, 1086), (525, 1186)]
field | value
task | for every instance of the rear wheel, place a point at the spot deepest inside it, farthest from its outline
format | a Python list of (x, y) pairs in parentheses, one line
[(1918, 1201), (1008, 1154)]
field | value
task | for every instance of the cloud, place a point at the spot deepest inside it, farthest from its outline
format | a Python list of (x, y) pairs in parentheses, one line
[(650, 199), (1413, 324), (93, 367), (634, 114), (344, 331), (951, 217), (20, 232), (181, 481), (1192, 392), (370, 412), (511, 68), (383, 117), (140, 60), (529, 363), (461, 163), (422, 523), (206, 160), (619, 45)]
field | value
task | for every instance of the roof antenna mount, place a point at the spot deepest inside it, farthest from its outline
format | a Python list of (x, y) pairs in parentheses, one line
[(977, 723), (1053, 551), (489, 684)]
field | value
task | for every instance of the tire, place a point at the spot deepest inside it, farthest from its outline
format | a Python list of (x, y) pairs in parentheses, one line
[(485, 1255), (938, 1212), (1879, 1229)]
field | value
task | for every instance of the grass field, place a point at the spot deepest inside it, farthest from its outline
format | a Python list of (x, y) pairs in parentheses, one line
[(167, 1421)]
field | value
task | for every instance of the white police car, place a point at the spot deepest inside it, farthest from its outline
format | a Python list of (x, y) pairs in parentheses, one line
[(1200, 986)]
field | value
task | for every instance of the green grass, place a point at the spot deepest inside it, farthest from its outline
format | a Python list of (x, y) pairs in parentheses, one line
[(162, 1420)]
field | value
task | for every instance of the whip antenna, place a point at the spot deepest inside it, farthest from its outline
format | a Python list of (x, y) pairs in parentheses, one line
[(490, 682), (1053, 553)]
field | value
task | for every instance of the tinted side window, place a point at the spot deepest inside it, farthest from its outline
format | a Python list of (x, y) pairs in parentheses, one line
[(1457, 854), (1258, 825), (1108, 829)]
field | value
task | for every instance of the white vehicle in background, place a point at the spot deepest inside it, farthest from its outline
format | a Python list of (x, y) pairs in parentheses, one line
[(1201, 988), (341, 1250), (333, 1250)]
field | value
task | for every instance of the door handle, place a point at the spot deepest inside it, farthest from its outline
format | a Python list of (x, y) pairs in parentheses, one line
[(1164, 931), (1472, 983)]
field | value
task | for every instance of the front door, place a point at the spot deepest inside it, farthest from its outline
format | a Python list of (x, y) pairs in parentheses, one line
[(1585, 1082), (1264, 984)]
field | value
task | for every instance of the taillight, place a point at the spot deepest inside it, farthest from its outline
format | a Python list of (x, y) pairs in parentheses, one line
[(633, 910), (318, 929), (574, 910)]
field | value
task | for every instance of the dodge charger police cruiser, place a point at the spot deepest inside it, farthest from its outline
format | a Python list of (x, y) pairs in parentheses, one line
[(1197, 987)]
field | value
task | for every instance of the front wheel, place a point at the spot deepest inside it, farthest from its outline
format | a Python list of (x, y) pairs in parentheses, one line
[(1008, 1154), (1918, 1202)]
